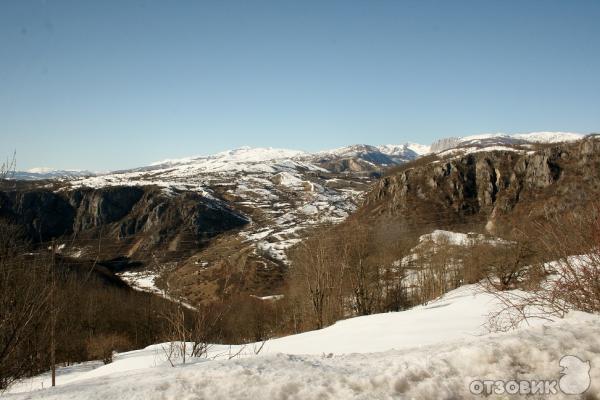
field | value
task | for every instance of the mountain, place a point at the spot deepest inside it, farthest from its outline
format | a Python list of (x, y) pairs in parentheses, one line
[(35, 174), (501, 141), (366, 158), (191, 221), (495, 188)]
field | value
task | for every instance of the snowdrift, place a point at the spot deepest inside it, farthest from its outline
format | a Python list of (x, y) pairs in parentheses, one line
[(431, 351)]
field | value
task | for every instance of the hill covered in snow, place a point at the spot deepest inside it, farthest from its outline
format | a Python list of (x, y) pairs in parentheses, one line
[(431, 351), (502, 141), (281, 193)]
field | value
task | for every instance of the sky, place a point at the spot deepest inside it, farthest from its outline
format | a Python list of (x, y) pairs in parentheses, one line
[(104, 85)]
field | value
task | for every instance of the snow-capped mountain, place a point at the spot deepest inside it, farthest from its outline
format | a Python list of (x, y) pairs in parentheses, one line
[(394, 149), (35, 174), (233, 160), (353, 158), (282, 192), (362, 157), (503, 141)]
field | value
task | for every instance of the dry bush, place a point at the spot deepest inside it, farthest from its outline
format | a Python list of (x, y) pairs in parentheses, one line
[(573, 243), (344, 271), (316, 279), (8, 167), (567, 279), (102, 347), (435, 271), (507, 265), (362, 269), (24, 305)]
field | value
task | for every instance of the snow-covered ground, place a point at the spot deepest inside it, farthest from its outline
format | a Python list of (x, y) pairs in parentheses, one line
[(429, 352)]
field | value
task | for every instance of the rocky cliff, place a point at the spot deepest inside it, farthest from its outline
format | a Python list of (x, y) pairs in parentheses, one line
[(147, 216), (489, 187)]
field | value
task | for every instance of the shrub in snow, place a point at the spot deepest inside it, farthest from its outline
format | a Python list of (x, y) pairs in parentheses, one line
[(102, 347)]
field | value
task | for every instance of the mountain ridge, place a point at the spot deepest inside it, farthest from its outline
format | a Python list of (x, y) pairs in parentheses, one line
[(377, 155)]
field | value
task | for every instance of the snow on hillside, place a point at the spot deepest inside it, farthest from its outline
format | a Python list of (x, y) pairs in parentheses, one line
[(439, 236), (394, 149), (549, 137), (389, 154), (49, 173), (535, 137), (499, 141), (235, 158), (281, 191), (431, 351)]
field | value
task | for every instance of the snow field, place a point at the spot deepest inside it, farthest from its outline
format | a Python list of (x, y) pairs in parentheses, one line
[(429, 352)]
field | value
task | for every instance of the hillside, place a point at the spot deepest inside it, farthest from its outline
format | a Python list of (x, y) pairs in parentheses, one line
[(203, 226), (489, 189), (431, 351)]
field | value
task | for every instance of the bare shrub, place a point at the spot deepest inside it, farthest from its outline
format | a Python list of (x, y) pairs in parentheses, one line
[(103, 347), (574, 245), (7, 168), (567, 279), (362, 269), (508, 264), (316, 277), (24, 304), (435, 270)]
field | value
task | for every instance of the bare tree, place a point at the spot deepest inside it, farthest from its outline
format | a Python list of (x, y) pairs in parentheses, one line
[(568, 277), (316, 276), (8, 167), (24, 304), (363, 269)]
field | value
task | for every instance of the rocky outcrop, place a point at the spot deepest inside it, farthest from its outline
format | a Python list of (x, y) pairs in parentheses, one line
[(99, 207), (117, 213), (483, 186), (43, 214)]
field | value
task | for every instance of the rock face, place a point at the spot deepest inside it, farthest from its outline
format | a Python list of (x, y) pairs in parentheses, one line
[(43, 214), (117, 213), (485, 186)]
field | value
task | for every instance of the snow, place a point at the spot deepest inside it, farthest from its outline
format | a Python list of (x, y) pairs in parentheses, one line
[(536, 137), (40, 173), (420, 149), (549, 137), (458, 239), (242, 154), (348, 151), (405, 151), (401, 149), (144, 281), (471, 150), (287, 179), (431, 351), (500, 141)]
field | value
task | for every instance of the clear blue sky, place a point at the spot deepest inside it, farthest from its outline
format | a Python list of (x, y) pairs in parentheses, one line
[(114, 84)]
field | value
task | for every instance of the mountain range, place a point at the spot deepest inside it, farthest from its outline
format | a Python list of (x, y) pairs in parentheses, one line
[(189, 220), (369, 157)]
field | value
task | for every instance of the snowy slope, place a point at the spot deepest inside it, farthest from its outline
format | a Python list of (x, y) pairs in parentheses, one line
[(242, 159), (500, 141), (395, 150), (280, 191), (431, 351), (35, 174), (383, 155)]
